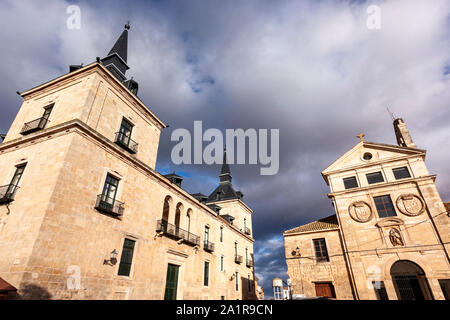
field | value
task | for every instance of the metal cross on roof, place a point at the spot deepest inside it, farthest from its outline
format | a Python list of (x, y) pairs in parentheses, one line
[(361, 136)]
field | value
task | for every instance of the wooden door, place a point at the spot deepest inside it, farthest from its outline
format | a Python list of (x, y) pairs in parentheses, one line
[(325, 289), (171, 282)]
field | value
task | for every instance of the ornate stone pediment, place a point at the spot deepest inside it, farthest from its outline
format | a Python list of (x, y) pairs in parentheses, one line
[(389, 222)]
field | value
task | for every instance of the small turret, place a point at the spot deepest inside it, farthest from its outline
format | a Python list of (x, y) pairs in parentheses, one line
[(402, 134)]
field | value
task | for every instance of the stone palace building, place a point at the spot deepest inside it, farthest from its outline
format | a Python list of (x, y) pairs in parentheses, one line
[(389, 237), (84, 214)]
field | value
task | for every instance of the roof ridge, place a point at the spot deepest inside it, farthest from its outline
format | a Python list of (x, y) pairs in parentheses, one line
[(325, 223)]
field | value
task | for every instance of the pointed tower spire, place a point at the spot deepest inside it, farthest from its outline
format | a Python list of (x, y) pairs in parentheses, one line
[(121, 45), (225, 174), (402, 134), (116, 60)]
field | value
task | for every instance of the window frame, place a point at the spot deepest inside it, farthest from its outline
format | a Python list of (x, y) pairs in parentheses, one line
[(384, 205), (17, 176), (400, 168), (380, 292), (126, 129), (126, 264), (106, 186), (206, 270), (353, 179), (323, 248), (372, 174)]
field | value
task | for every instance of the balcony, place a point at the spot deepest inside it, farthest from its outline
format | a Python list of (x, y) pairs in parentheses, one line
[(249, 263), (34, 126), (238, 259), (125, 142), (208, 246), (247, 231), (177, 233), (7, 193), (109, 205)]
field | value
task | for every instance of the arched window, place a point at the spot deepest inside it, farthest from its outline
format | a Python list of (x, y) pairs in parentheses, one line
[(166, 208), (188, 220), (178, 215)]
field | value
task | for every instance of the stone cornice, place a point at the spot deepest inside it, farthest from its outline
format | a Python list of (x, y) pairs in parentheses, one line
[(381, 185), (105, 74), (86, 131)]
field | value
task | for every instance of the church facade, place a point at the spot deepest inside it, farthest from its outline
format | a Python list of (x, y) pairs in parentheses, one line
[(85, 215), (389, 236)]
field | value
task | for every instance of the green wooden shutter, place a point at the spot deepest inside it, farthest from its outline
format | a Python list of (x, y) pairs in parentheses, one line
[(171, 282), (127, 257)]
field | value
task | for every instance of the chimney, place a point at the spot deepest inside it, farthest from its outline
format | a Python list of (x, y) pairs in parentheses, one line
[(402, 134)]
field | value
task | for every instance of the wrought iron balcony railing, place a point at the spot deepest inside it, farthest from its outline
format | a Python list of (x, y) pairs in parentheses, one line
[(109, 205), (125, 142), (208, 246), (247, 230), (7, 193), (34, 125), (249, 263), (175, 232), (238, 258)]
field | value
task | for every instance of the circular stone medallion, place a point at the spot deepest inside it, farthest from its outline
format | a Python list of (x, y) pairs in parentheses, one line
[(360, 211), (410, 204)]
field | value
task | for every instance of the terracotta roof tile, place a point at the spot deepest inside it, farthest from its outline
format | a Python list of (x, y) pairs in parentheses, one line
[(447, 206), (322, 224), (6, 287)]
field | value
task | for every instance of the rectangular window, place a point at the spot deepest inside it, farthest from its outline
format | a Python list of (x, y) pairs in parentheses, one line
[(110, 189), (46, 116), (277, 293), (320, 249), (350, 183), (16, 178), (221, 234), (7, 192), (127, 257), (384, 206), (206, 274), (237, 281), (375, 177), (401, 173), (445, 287), (206, 238), (222, 266), (380, 290), (125, 131)]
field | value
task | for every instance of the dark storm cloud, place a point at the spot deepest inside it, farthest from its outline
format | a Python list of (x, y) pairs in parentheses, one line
[(309, 68)]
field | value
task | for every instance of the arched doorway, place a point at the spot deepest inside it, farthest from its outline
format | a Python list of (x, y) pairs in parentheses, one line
[(410, 281)]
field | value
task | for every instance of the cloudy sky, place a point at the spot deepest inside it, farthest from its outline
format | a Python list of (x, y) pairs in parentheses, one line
[(311, 69)]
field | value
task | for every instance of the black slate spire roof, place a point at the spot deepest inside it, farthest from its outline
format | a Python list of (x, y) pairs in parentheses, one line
[(116, 60), (121, 45), (225, 173), (225, 190)]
